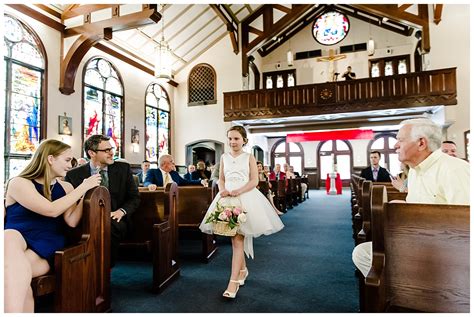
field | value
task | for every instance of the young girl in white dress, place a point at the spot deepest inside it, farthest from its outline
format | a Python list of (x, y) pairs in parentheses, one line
[(238, 178)]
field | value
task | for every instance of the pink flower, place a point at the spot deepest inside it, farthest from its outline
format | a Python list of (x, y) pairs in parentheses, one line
[(237, 211), (223, 216), (228, 213)]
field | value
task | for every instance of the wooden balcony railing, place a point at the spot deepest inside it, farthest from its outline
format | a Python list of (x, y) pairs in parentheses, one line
[(428, 88)]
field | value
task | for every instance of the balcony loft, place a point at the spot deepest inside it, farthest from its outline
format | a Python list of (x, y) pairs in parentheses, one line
[(421, 89)]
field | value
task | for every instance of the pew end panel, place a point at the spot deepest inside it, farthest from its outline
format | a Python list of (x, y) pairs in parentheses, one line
[(193, 204), (81, 278), (155, 234)]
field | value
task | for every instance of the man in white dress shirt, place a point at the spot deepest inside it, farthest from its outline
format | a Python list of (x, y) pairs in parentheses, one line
[(434, 177)]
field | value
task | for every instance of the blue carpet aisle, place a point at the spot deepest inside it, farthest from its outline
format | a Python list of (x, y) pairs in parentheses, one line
[(305, 268)]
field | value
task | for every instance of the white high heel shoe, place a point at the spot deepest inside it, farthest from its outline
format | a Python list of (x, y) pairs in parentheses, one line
[(242, 281), (229, 294)]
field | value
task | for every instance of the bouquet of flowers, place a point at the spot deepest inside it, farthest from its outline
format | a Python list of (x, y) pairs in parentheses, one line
[(226, 218)]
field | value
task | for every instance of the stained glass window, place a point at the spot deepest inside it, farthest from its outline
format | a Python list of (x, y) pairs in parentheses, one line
[(269, 83), (291, 80), (375, 70), (103, 103), (157, 122), (388, 68), (23, 78), (402, 67), (331, 28)]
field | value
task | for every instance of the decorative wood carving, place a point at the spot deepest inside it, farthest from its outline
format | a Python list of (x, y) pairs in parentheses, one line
[(436, 87)]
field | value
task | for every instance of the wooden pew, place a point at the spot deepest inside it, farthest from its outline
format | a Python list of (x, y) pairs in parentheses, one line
[(193, 203), (80, 282), (155, 233), (263, 187), (279, 189), (420, 257)]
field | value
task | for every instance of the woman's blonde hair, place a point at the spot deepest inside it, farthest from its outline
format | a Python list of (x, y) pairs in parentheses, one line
[(39, 167)]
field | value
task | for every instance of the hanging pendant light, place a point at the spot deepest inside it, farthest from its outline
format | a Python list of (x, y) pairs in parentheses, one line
[(289, 54), (163, 54)]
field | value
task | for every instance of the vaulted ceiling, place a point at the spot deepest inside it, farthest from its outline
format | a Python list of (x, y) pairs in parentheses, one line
[(192, 29)]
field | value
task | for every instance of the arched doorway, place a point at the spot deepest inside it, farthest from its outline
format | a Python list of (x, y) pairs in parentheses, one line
[(338, 153), (258, 153), (209, 151), (385, 144), (291, 153)]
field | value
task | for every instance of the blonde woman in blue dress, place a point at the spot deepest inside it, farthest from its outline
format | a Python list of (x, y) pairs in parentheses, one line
[(238, 179)]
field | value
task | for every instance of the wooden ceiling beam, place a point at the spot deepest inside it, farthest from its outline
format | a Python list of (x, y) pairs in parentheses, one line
[(392, 11), (92, 33), (85, 9), (230, 24), (438, 9), (403, 7), (270, 28), (148, 15)]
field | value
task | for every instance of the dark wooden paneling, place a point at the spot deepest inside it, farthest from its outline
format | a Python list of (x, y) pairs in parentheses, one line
[(429, 88)]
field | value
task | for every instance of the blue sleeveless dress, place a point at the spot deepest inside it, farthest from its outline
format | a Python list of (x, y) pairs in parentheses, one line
[(44, 235)]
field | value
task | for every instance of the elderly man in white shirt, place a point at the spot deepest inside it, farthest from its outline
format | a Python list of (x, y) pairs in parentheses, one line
[(434, 177)]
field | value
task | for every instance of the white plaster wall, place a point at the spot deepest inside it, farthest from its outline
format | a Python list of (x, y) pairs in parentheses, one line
[(205, 122), (450, 47)]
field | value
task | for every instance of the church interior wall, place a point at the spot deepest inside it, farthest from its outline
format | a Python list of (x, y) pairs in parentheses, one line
[(450, 47), (205, 122)]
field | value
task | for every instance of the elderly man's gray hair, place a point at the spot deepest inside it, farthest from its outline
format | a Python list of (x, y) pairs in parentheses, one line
[(425, 128), (162, 159)]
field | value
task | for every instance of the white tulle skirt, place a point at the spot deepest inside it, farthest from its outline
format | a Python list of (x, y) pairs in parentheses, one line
[(261, 216)]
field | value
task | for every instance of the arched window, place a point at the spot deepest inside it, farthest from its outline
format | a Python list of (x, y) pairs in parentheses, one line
[(24, 66), (202, 85), (103, 102), (290, 153), (385, 144), (157, 122), (335, 154)]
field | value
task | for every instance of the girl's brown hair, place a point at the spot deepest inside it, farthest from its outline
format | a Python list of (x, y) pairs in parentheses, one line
[(242, 132), (39, 166)]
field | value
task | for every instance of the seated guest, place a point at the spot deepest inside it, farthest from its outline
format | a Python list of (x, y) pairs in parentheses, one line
[(38, 203), (189, 175), (450, 148), (375, 172), (167, 174), (304, 186), (277, 174), (215, 173), (201, 172), (434, 177), (142, 174), (118, 178), (81, 161), (264, 178), (288, 173), (401, 181), (266, 171)]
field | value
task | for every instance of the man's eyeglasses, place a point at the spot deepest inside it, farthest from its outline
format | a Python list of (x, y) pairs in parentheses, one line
[(110, 149)]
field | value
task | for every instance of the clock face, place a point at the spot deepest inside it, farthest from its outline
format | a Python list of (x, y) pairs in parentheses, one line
[(13, 30), (104, 68), (330, 28)]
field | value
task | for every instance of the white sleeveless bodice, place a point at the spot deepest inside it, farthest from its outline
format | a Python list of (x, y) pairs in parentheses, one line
[(236, 170)]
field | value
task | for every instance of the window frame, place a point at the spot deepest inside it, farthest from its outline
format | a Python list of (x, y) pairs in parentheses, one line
[(214, 84), (157, 127), (122, 112), (8, 91), (288, 154)]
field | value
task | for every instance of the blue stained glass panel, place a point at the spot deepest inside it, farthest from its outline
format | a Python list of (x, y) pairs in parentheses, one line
[(331, 28)]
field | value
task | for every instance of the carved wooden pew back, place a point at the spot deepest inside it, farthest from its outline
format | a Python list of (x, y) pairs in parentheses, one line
[(420, 256)]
